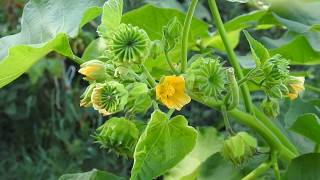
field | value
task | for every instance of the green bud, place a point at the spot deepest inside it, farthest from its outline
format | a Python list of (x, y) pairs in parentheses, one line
[(239, 148), (156, 49), (86, 96), (109, 98), (171, 34), (209, 77), (94, 70), (270, 107), (139, 99), (119, 135), (129, 44)]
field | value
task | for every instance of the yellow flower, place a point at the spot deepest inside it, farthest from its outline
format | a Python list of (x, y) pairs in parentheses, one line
[(171, 92), (295, 86), (93, 70)]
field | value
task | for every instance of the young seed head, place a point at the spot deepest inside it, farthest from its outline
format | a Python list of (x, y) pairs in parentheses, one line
[(109, 97), (129, 44)]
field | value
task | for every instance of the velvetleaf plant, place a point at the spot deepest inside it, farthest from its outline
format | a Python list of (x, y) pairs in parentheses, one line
[(120, 81)]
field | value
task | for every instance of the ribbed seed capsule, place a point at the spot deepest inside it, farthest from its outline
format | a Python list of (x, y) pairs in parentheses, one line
[(129, 44), (109, 98), (119, 135), (209, 76)]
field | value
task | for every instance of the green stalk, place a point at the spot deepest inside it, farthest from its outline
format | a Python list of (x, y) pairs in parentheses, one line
[(185, 35), (170, 63), (77, 60), (150, 79), (317, 148), (231, 54), (283, 139)]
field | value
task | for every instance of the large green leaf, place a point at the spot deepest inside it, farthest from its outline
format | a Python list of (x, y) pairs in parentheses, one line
[(308, 125), (45, 26), (111, 17), (305, 167), (91, 175), (216, 168), (297, 108), (301, 43), (162, 145), (208, 143), (152, 19)]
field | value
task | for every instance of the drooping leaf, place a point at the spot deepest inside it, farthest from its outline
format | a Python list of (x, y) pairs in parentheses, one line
[(44, 28), (304, 167), (162, 145), (208, 143), (91, 175), (111, 17), (259, 52), (308, 125)]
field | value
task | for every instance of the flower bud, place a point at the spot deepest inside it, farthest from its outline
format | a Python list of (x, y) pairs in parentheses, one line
[(129, 44), (239, 148), (171, 34), (270, 107), (119, 135), (295, 85), (94, 70), (209, 77), (86, 96), (109, 97), (156, 49)]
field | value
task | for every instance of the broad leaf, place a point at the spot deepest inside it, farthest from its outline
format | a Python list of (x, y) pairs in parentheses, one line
[(208, 143), (259, 52), (216, 167), (95, 49), (162, 145), (91, 175), (44, 28), (111, 17), (298, 107), (308, 125), (305, 167)]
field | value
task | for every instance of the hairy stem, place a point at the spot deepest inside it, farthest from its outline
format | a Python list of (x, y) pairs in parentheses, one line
[(77, 60), (185, 35), (150, 79), (231, 54), (166, 53)]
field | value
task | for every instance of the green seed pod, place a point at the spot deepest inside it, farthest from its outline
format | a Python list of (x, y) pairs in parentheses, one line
[(209, 77), (86, 96), (109, 97), (239, 148), (119, 135), (270, 107), (129, 44)]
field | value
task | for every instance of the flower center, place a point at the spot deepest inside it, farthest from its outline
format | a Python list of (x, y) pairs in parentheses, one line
[(169, 91)]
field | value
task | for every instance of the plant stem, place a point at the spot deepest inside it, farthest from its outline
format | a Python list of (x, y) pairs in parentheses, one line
[(185, 35), (77, 60), (246, 77), (166, 53), (231, 54), (150, 79), (226, 120), (267, 122)]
